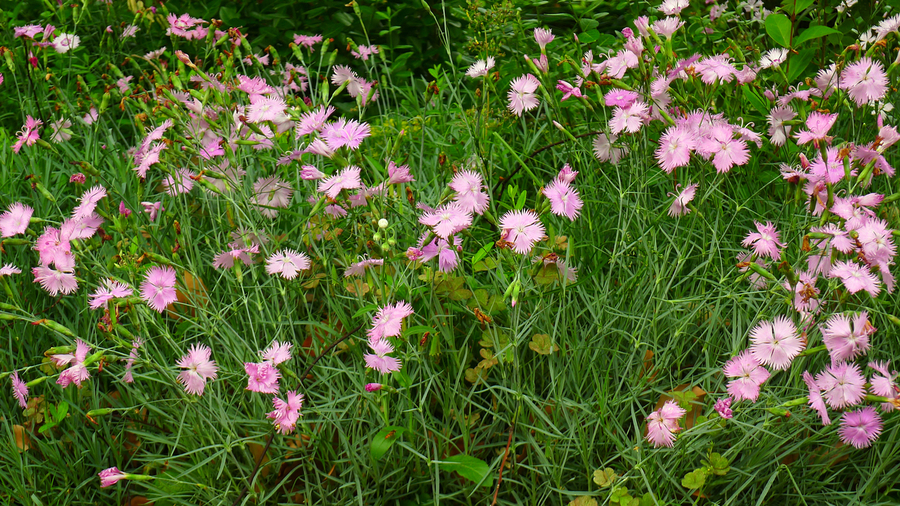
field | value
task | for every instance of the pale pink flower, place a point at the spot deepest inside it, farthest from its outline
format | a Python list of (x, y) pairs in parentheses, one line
[(765, 242), (77, 371), (564, 200), (865, 81), (662, 424), (675, 148), (469, 188), (543, 37), (843, 384), (91, 116), (112, 289), (15, 220), (364, 52), (158, 288), (307, 40), (522, 228), (111, 476), (153, 209), (359, 268), (679, 206), (773, 58), (226, 258), (61, 129), (265, 109), (399, 174), (481, 67), (860, 428), (521, 94), (846, 343), (255, 87), (288, 263), (29, 133), (9, 270), (55, 281), (182, 25), (388, 321), (313, 121), (129, 31), (347, 179), (19, 390), (344, 132), (287, 412), (673, 7), (667, 26), (277, 352), (855, 277), (567, 174), (262, 377), (620, 98), (379, 360), (132, 356), (815, 399), (540, 63), (27, 31), (447, 220), (628, 119), (775, 344), (748, 376), (817, 126), (724, 148), (63, 42), (778, 131), (79, 228), (884, 383), (199, 369), (605, 151), (270, 193), (178, 182), (713, 68)]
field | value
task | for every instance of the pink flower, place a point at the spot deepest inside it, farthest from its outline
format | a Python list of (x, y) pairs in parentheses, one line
[(347, 179), (620, 98), (277, 352), (778, 131), (884, 383), (265, 109), (766, 242), (724, 148), (178, 182), (77, 371), (373, 387), (815, 399), (287, 262), (543, 37), (153, 209), (313, 121), (604, 150), (723, 408), (270, 193), (522, 228), (112, 290), (344, 132), (77, 178), (469, 188), (9, 270), (855, 277), (388, 320), (158, 288), (111, 476), (865, 81), (19, 390), (568, 90), (364, 52), (63, 42), (714, 68), (132, 356), (817, 127), (673, 7), (307, 40), (775, 344), (567, 174), (521, 94), (773, 58), (199, 368), (129, 31), (55, 281), (181, 25), (843, 385), (286, 413), (29, 133), (15, 220), (379, 360), (481, 67), (662, 424), (564, 200), (666, 27), (844, 343), (447, 219), (359, 268), (675, 148), (861, 427), (263, 377), (628, 119), (226, 259), (27, 31), (399, 174), (679, 206), (748, 374)]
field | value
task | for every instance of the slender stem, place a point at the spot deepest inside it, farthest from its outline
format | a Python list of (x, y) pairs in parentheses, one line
[(503, 462)]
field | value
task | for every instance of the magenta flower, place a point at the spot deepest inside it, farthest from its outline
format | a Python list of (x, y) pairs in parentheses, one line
[(277, 352), (679, 206), (675, 148), (373, 387), (388, 320), (15, 220), (865, 81), (568, 90), (815, 399), (88, 202), (29, 133), (112, 290), (158, 288), (380, 361), (447, 220), (775, 344), (469, 188), (564, 200), (843, 385), (55, 281), (132, 356), (262, 377), (522, 228), (347, 179), (855, 277), (723, 408), (342, 132), (288, 263), (199, 368), (19, 390), (844, 343), (111, 476), (620, 98), (27, 31), (861, 427), (481, 67), (521, 94), (817, 127), (543, 37), (662, 424), (749, 376), (286, 413), (628, 119), (77, 371), (567, 174), (765, 242)]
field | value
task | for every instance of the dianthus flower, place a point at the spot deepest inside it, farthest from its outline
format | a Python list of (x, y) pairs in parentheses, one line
[(66, 41), (359, 268), (884, 384), (178, 182), (673, 7), (447, 220), (77, 371), (543, 37), (817, 126), (679, 206), (111, 476), (9, 270), (55, 281), (200, 368), (287, 263), (225, 259), (388, 320), (469, 188), (522, 228), (112, 290), (568, 90), (287, 412), (265, 109), (399, 174), (19, 390), (865, 81), (667, 27), (628, 119), (778, 131), (271, 192), (715, 68), (855, 277), (846, 343), (262, 377), (605, 151), (748, 374), (861, 427), (344, 132), (723, 408), (564, 200), (815, 399), (773, 58), (307, 40), (15, 220), (675, 148), (347, 179), (521, 94), (182, 25), (379, 360), (364, 52), (775, 344), (158, 288), (662, 424), (29, 133), (132, 356), (620, 98), (313, 121), (843, 384), (725, 150), (481, 67), (765, 241)]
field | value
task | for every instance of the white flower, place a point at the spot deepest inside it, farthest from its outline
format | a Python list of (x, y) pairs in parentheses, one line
[(481, 67), (66, 41), (773, 58)]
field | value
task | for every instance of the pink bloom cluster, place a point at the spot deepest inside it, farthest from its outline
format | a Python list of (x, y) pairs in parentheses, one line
[(186, 27), (263, 376), (662, 424), (387, 322)]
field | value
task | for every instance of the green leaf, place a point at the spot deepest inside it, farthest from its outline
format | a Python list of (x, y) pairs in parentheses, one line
[(541, 343), (604, 477), (418, 329), (47, 426), (695, 478), (484, 265), (778, 27), (61, 411), (520, 203), (470, 468), (588, 24), (800, 62), (363, 310), (383, 440), (755, 100), (589, 36), (482, 252), (792, 7), (814, 32), (717, 464), (402, 378)]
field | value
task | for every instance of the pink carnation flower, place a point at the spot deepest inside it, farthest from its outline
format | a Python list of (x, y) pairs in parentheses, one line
[(846, 343), (522, 228), (855, 277), (843, 385), (380, 361), (307, 40), (723, 408), (344, 132), (765, 242), (860, 428), (111, 476), (679, 206), (815, 399), (347, 179), (359, 268), (865, 81), (112, 289), (884, 383), (9, 270), (388, 320), (270, 193), (19, 390), (288, 263), (199, 368), (775, 344), (481, 67), (287, 412), (628, 119), (29, 133), (749, 376), (313, 121), (158, 288), (817, 126), (675, 148), (543, 37), (662, 424), (521, 94), (564, 200), (620, 98), (77, 371), (725, 150), (88, 202), (469, 188), (55, 281), (447, 219), (15, 220), (262, 377), (277, 352), (132, 356)]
